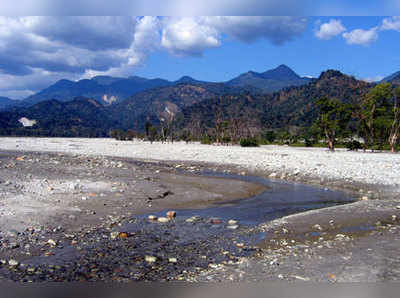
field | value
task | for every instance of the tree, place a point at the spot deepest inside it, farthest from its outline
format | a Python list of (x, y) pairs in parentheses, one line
[(395, 128), (147, 127), (333, 119), (372, 110), (152, 134)]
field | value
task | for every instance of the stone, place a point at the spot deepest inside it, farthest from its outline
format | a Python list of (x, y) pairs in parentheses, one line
[(150, 259), (398, 207), (52, 242), (364, 198), (152, 217), (171, 214), (163, 219), (84, 198), (13, 263), (232, 227), (192, 219), (123, 235), (114, 235), (172, 260), (232, 222), (215, 221), (317, 227)]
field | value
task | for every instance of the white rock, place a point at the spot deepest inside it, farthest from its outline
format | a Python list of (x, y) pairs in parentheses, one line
[(13, 263), (163, 219), (150, 259)]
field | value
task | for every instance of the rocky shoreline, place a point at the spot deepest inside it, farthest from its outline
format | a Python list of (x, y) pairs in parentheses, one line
[(353, 242)]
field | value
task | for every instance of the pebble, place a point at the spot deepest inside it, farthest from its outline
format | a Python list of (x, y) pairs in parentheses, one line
[(317, 227), (13, 263), (171, 214), (232, 227), (215, 221), (364, 198), (114, 235), (172, 260), (152, 217), (398, 207), (163, 219), (193, 219), (232, 222), (150, 259), (52, 242)]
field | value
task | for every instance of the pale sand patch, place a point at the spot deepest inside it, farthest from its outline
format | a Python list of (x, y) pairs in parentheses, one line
[(366, 168)]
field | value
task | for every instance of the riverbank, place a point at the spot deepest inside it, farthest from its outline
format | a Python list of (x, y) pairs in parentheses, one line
[(355, 242), (284, 162)]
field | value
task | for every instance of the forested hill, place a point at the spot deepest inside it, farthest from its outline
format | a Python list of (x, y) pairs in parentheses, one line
[(291, 106)]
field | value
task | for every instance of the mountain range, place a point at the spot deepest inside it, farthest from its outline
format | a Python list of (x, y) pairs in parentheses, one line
[(110, 90), (88, 117), (269, 81)]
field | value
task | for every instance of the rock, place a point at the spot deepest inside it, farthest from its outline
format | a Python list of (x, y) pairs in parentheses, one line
[(240, 245), (172, 260), (317, 227), (123, 235), (171, 214), (52, 242), (398, 207), (232, 222), (192, 219), (114, 235), (215, 221), (364, 198), (152, 217), (232, 227), (150, 259), (163, 219), (13, 263), (84, 198)]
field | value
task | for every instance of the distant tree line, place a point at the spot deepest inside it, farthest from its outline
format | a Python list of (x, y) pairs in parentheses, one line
[(373, 122)]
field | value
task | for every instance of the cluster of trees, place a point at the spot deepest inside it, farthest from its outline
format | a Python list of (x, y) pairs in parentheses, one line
[(375, 119), (371, 122)]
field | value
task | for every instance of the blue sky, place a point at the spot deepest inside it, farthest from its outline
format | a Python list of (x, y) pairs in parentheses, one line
[(37, 51), (306, 54)]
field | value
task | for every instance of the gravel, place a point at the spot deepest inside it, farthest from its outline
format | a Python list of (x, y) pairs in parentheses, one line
[(354, 167)]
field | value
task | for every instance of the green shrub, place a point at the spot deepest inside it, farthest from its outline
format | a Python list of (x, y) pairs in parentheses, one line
[(353, 145), (249, 142), (206, 140)]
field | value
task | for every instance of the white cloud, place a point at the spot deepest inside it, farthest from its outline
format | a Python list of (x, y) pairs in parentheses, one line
[(392, 23), (361, 37), (193, 35), (330, 29), (188, 36)]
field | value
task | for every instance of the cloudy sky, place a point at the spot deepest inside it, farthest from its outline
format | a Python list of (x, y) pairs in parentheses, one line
[(37, 51)]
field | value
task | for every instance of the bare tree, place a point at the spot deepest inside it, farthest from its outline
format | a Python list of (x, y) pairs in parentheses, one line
[(395, 129)]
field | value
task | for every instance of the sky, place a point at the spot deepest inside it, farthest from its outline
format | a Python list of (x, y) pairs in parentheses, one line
[(35, 52)]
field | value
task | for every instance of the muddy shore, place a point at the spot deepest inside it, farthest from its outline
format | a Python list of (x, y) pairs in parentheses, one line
[(82, 202)]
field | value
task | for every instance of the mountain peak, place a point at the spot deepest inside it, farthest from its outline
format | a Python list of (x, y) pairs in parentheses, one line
[(330, 73), (282, 72), (186, 79)]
